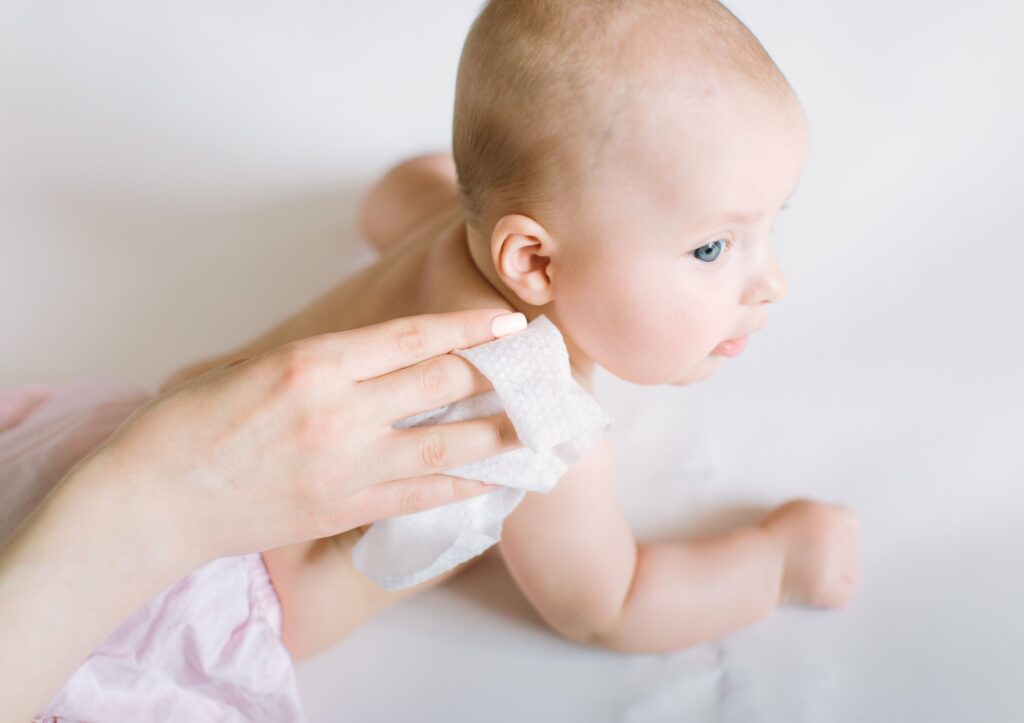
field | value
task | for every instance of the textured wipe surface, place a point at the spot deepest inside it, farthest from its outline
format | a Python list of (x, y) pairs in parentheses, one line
[(554, 417)]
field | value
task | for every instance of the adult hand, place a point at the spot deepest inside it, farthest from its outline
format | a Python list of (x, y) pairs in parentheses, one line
[(298, 444), (291, 445)]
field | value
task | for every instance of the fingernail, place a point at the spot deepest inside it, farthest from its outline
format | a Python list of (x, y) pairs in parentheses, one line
[(507, 324)]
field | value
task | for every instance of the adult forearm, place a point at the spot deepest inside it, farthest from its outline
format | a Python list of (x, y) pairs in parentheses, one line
[(95, 552), (685, 593)]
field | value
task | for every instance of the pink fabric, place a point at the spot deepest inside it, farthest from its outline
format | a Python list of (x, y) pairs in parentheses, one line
[(207, 648)]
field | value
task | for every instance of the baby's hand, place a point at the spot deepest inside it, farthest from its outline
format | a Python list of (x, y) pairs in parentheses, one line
[(821, 555)]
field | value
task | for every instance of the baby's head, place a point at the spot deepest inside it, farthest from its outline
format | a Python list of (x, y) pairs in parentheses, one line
[(621, 163)]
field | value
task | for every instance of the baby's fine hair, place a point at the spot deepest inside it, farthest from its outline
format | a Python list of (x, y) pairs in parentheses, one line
[(544, 85)]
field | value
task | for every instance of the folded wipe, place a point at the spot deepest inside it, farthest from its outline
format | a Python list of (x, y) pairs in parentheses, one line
[(554, 417)]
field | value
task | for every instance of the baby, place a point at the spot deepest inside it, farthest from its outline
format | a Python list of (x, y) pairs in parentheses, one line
[(618, 165)]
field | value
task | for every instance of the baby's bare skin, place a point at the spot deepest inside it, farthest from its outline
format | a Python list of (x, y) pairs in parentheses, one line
[(625, 596), (425, 268)]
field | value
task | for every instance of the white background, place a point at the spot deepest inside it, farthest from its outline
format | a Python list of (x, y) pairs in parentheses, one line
[(176, 177)]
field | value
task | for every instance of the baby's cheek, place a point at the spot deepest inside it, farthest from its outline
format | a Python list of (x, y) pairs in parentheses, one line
[(669, 339), (629, 316), (640, 341)]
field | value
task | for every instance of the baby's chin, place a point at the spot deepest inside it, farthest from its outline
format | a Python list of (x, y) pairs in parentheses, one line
[(692, 372), (699, 372)]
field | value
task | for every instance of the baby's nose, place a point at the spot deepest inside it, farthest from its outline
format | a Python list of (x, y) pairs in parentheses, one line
[(769, 285), (777, 285)]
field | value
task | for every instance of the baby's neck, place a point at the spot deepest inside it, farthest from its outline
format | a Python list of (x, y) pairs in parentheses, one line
[(434, 271), (478, 250), (450, 269), (429, 273)]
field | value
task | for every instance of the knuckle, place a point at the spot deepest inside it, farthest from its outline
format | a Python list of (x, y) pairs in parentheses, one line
[(413, 500), (299, 369), (435, 380), (807, 507), (815, 514), (292, 367), (435, 453), (410, 337)]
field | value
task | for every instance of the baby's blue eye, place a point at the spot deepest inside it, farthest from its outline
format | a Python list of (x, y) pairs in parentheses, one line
[(710, 252)]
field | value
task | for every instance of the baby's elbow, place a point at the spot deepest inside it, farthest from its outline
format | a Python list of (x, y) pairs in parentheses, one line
[(625, 641), (594, 618), (593, 628), (616, 634), (603, 635)]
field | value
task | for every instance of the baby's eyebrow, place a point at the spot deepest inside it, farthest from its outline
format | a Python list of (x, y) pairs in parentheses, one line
[(743, 217), (739, 216)]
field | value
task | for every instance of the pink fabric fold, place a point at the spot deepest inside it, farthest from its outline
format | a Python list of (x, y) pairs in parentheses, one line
[(208, 648)]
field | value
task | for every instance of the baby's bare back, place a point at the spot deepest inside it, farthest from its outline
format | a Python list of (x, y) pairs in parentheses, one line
[(322, 595), (429, 271)]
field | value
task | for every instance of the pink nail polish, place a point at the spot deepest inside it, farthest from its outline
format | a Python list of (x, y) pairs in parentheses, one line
[(507, 324)]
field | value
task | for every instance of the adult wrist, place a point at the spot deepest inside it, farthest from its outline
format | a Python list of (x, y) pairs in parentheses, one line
[(144, 517), (97, 540)]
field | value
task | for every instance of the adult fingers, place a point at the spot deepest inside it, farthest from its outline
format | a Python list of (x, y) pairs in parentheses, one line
[(406, 496), (418, 451), (375, 350), (430, 384)]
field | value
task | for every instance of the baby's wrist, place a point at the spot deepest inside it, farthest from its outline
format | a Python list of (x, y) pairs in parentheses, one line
[(777, 553)]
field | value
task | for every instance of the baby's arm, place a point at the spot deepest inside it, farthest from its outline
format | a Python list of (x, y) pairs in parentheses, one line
[(573, 555)]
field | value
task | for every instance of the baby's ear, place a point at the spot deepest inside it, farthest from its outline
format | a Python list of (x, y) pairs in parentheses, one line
[(521, 251)]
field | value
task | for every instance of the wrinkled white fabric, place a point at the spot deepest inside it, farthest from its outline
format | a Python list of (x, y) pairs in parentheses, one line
[(554, 417)]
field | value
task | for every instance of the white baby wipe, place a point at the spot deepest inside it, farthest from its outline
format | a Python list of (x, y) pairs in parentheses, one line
[(556, 420)]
